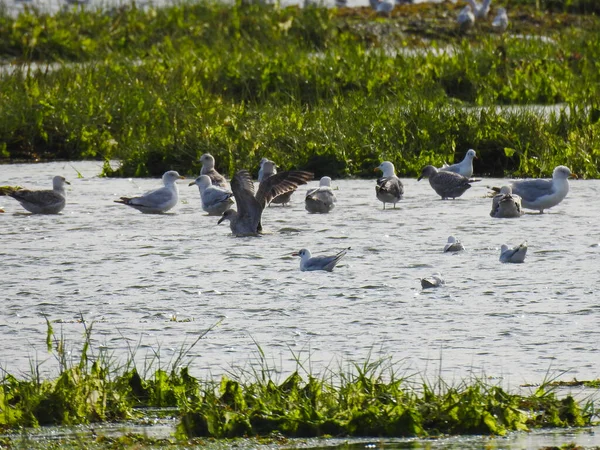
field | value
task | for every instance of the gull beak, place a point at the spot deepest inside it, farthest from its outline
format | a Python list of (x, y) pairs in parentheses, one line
[(192, 183), (376, 169), (419, 179), (573, 175), (66, 182), (295, 254), (220, 220), (181, 177)]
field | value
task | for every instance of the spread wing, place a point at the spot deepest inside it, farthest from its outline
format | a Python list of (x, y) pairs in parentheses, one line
[(248, 208), (280, 183)]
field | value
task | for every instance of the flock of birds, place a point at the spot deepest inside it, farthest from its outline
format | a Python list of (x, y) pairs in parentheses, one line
[(449, 182), (479, 11)]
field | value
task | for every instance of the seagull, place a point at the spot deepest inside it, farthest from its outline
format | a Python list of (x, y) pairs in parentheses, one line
[(501, 20), (433, 281), (246, 221), (215, 200), (157, 200), (538, 194), (480, 10), (308, 263), (465, 167), (41, 201), (261, 171), (389, 188), (513, 255), (466, 18), (208, 168), (446, 184), (269, 169), (506, 204), (321, 199), (383, 7), (453, 245)]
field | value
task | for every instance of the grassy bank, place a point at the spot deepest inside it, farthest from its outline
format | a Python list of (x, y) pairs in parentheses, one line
[(370, 399), (333, 91)]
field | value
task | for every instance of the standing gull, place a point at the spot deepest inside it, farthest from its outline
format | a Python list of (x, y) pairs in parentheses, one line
[(506, 204), (513, 255), (480, 10), (389, 188), (215, 200), (208, 168), (465, 167), (308, 262), (538, 194), (446, 184), (157, 200), (246, 221), (500, 22), (41, 201), (321, 199), (269, 169), (453, 245), (465, 19), (261, 171)]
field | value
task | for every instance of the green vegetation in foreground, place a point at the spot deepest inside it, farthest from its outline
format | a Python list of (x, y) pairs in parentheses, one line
[(368, 400), (334, 91)]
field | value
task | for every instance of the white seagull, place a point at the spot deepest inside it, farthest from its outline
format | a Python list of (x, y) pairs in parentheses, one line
[(208, 168), (453, 245), (465, 167), (501, 20), (321, 199), (506, 204), (261, 171), (466, 18), (308, 262), (41, 201), (513, 255), (215, 200), (158, 200), (480, 10), (389, 188)]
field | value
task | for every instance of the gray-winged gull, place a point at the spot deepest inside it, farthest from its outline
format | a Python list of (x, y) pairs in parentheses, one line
[(246, 221), (500, 22), (480, 10), (506, 204), (43, 201), (446, 184), (513, 255), (308, 262), (539, 194), (157, 200), (215, 199), (465, 167), (465, 19), (434, 281), (208, 168), (453, 245), (321, 199), (269, 169), (389, 188), (261, 171)]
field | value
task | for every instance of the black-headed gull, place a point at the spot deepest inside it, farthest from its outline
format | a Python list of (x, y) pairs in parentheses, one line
[(308, 262)]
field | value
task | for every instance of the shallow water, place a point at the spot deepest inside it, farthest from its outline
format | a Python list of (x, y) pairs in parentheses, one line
[(155, 282)]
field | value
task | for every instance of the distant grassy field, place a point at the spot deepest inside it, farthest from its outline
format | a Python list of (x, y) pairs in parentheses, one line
[(329, 90)]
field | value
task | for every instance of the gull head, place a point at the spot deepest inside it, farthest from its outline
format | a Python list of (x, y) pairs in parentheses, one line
[(503, 248), (387, 168), (506, 190), (325, 181), (269, 168), (303, 254), (207, 161), (427, 172), (171, 177), (203, 181), (471, 154), (230, 214), (562, 173), (58, 182), (451, 240), (263, 161)]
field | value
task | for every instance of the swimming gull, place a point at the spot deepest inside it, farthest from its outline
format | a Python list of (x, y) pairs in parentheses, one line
[(453, 245), (501, 20), (208, 168), (308, 262), (539, 194), (44, 201), (321, 199), (389, 188), (269, 169), (465, 167), (480, 10), (513, 255), (215, 200), (261, 171), (157, 200), (446, 184), (506, 204), (466, 18), (434, 281), (246, 221)]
